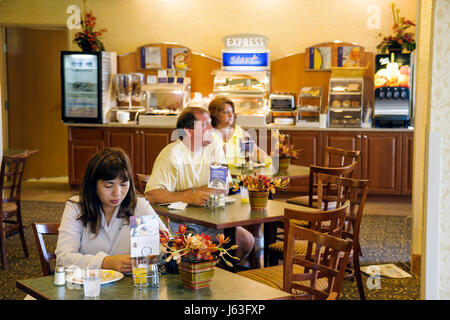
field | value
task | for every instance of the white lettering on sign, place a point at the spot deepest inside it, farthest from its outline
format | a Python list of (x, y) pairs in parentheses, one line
[(245, 41), (243, 60)]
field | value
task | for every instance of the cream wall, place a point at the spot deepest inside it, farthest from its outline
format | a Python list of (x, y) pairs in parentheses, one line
[(421, 124), (439, 122), (291, 25)]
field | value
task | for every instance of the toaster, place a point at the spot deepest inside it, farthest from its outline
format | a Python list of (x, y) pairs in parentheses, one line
[(282, 102)]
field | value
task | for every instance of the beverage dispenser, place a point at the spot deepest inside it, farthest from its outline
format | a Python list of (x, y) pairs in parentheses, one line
[(393, 90)]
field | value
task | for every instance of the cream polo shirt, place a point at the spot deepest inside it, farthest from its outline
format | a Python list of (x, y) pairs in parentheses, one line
[(76, 244), (177, 168), (231, 147)]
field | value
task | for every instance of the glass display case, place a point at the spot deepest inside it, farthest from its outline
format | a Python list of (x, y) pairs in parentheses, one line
[(345, 102), (248, 90), (309, 106)]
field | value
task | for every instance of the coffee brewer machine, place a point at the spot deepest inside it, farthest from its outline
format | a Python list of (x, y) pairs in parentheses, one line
[(393, 90), (129, 94)]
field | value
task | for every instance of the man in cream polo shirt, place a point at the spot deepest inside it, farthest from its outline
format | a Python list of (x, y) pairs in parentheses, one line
[(181, 171)]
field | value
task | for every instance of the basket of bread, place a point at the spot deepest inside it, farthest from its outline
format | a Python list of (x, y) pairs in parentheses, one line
[(348, 72)]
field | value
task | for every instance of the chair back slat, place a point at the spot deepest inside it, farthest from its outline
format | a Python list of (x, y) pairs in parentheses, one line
[(337, 157), (141, 182), (352, 190), (11, 178), (329, 263), (40, 229)]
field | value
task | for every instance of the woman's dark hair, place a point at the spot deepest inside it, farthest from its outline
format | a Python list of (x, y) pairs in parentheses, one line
[(216, 106), (187, 118), (107, 164)]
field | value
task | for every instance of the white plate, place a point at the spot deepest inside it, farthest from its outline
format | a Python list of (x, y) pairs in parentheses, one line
[(255, 165), (229, 199), (108, 276)]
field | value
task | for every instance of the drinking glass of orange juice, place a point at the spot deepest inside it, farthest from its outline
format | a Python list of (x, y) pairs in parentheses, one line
[(140, 272)]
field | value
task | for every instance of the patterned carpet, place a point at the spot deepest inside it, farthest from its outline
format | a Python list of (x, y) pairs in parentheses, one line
[(384, 239)]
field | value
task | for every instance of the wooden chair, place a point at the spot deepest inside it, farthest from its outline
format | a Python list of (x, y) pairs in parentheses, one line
[(337, 157), (337, 161), (10, 190), (329, 261), (141, 181), (355, 191), (352, 190), (40, 229), (274, 276)]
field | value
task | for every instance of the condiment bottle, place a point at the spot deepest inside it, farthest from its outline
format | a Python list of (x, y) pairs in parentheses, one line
[(221, 201), (60, 275)]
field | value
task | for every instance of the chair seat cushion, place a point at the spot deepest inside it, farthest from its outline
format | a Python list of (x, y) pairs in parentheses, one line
[(299, 247), (9, 206), (301, 200), (304, 201), (273, 276)]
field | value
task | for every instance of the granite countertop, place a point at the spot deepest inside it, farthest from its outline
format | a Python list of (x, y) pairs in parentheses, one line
[(270, 126)]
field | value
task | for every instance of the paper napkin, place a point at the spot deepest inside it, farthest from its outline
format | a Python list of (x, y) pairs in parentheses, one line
[(178, 205)]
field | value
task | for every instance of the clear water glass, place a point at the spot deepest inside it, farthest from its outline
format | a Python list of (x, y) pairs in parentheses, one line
[(92, 282)]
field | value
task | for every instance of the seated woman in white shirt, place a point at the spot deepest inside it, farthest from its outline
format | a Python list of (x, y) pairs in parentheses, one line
[(95, 226)]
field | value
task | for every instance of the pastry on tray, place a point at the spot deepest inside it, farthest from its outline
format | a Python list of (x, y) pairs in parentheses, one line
[(346, 103), (355, 103), (336, 103)]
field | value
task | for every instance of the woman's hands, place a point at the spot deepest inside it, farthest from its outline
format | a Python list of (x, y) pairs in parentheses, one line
[(120, 262)]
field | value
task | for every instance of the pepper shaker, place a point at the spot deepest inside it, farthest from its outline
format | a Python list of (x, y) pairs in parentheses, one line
[(60, 275)]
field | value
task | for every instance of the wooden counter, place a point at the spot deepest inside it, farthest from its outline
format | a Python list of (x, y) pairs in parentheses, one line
[(386, 154)]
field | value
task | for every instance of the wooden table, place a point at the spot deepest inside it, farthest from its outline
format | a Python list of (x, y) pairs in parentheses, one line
[(233, 215), (225, 286), (18, 153), (293, 172)]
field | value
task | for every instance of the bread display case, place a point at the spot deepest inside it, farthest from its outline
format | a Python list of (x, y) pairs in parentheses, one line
[(345, 102), (309, 106), (248, 90)]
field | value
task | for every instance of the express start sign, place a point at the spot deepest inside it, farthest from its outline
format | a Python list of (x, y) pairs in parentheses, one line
[(245, 51)]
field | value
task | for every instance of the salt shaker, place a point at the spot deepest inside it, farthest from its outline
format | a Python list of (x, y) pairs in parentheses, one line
[(60, 275), (221, 202), (212, 201)]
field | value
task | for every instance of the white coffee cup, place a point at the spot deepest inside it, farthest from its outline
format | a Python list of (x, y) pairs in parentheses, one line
[(123, 116)]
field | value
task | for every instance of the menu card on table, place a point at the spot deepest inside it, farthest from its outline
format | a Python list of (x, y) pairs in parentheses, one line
[(144, 235), (218, 177)]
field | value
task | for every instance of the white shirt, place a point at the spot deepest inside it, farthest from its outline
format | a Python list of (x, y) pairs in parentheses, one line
[(231, 147), (177, 168), (76, 244)]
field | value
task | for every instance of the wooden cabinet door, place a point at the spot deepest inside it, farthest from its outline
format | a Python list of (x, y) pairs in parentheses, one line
[(83, 144), (346, 140), (382, 161), (311, 143), (153, 141), (407, 163), (126, 139)]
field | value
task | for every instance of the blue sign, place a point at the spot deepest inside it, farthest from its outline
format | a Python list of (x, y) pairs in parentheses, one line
[(236, 59)]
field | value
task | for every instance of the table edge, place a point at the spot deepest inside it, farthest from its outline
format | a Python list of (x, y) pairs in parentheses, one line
[(28, 290)]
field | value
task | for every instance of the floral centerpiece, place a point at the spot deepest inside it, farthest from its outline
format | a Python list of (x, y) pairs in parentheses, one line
[(89, 40), (284, 151), (195, 247), (259, 186), (401, 39), (196, 255)]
